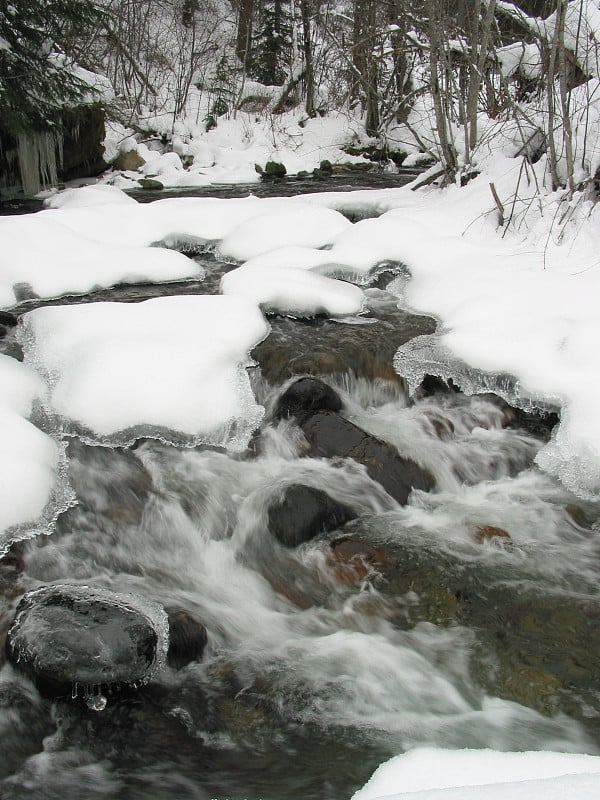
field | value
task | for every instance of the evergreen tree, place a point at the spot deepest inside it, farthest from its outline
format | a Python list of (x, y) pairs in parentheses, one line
[(35, 78), (272, 43)]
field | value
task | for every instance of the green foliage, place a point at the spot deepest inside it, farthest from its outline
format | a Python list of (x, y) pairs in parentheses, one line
[(272, 44), (35, 79), (221, 93)]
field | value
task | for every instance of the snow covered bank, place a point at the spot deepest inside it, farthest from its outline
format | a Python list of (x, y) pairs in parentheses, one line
[(430, 774), (229, 152), (519, 299)]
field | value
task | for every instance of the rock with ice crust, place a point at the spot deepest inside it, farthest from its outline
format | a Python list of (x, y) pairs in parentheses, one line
[(73, 639)]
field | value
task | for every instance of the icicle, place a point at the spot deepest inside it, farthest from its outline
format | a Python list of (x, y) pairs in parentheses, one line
[(38, 159)]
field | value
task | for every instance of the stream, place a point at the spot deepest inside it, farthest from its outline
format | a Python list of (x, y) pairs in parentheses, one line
[(467, 618)]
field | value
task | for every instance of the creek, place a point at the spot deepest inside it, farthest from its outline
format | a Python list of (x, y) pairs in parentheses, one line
[(468, 617)]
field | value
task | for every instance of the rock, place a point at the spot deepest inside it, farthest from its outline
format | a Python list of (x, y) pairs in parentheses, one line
[(303, 513), (7, 319), (273, 171), (151, 183), (331, 435), (487, 533), (578, 515), (354, 560), (304, 397), (129, 161), (83, 136), (432, 385), (187, 639), (70, 636)]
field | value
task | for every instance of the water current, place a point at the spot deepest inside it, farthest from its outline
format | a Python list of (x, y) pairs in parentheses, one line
[(467, 618)]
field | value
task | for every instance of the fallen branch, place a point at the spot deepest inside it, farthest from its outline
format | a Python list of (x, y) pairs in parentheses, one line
[(499, 205)]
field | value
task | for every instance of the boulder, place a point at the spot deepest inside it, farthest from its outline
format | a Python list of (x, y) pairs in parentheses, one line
[(129, 161), (67, 637), (303, 513), (274, 170), (330, 435), (304, 397), (187, 639), (151, 184)]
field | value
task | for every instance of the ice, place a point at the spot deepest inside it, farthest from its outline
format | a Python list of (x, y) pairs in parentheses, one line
[(432, 774), (170, 368), (33, 487), (427, 355), (295, 292)]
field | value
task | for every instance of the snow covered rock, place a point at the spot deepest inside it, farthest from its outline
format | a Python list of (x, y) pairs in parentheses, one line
[(171, 368), (294, 292)]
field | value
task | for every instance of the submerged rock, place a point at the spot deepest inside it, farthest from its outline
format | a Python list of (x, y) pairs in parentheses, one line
[(331, 435), (304, 397), (70, 636), (353, 560), (303, 513)]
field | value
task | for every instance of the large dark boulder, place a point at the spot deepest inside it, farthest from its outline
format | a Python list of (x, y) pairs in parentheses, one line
[(305, 396), (331, 435), (71, 637), (304, 512)]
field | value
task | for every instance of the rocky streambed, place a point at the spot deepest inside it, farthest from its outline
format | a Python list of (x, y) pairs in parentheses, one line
[(381, 568)]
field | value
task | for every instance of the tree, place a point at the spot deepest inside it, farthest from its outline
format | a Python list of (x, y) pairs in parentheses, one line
[(36, 78)]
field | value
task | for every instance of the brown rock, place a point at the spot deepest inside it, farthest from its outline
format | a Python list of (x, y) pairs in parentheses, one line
[(487, 533), (129, 161)]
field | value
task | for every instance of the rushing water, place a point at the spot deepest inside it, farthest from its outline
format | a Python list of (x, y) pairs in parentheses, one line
[(319, 668)]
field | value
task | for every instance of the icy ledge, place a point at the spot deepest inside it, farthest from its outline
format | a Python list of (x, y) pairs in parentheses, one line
[(567, 456)]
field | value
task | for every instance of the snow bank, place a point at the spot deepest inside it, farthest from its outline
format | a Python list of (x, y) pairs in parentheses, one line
[(41, 255), (430, 774), (291, 224), (30, 458), (229, 152), (523, 303), (170, 368)]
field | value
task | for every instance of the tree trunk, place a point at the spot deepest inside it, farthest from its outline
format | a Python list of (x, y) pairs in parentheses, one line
[(244, 30), (309, 75)]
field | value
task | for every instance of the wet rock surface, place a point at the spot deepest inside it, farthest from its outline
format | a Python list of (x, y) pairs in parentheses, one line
[(306, 396), (70, 635), (304, 512), (330, 435), (187, 639)]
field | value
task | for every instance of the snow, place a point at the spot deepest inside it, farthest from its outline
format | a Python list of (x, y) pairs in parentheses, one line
[(230, 152), (431, 774), (171, 368), (292, 224), (29, 458), (295, 292), (492, 288)]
